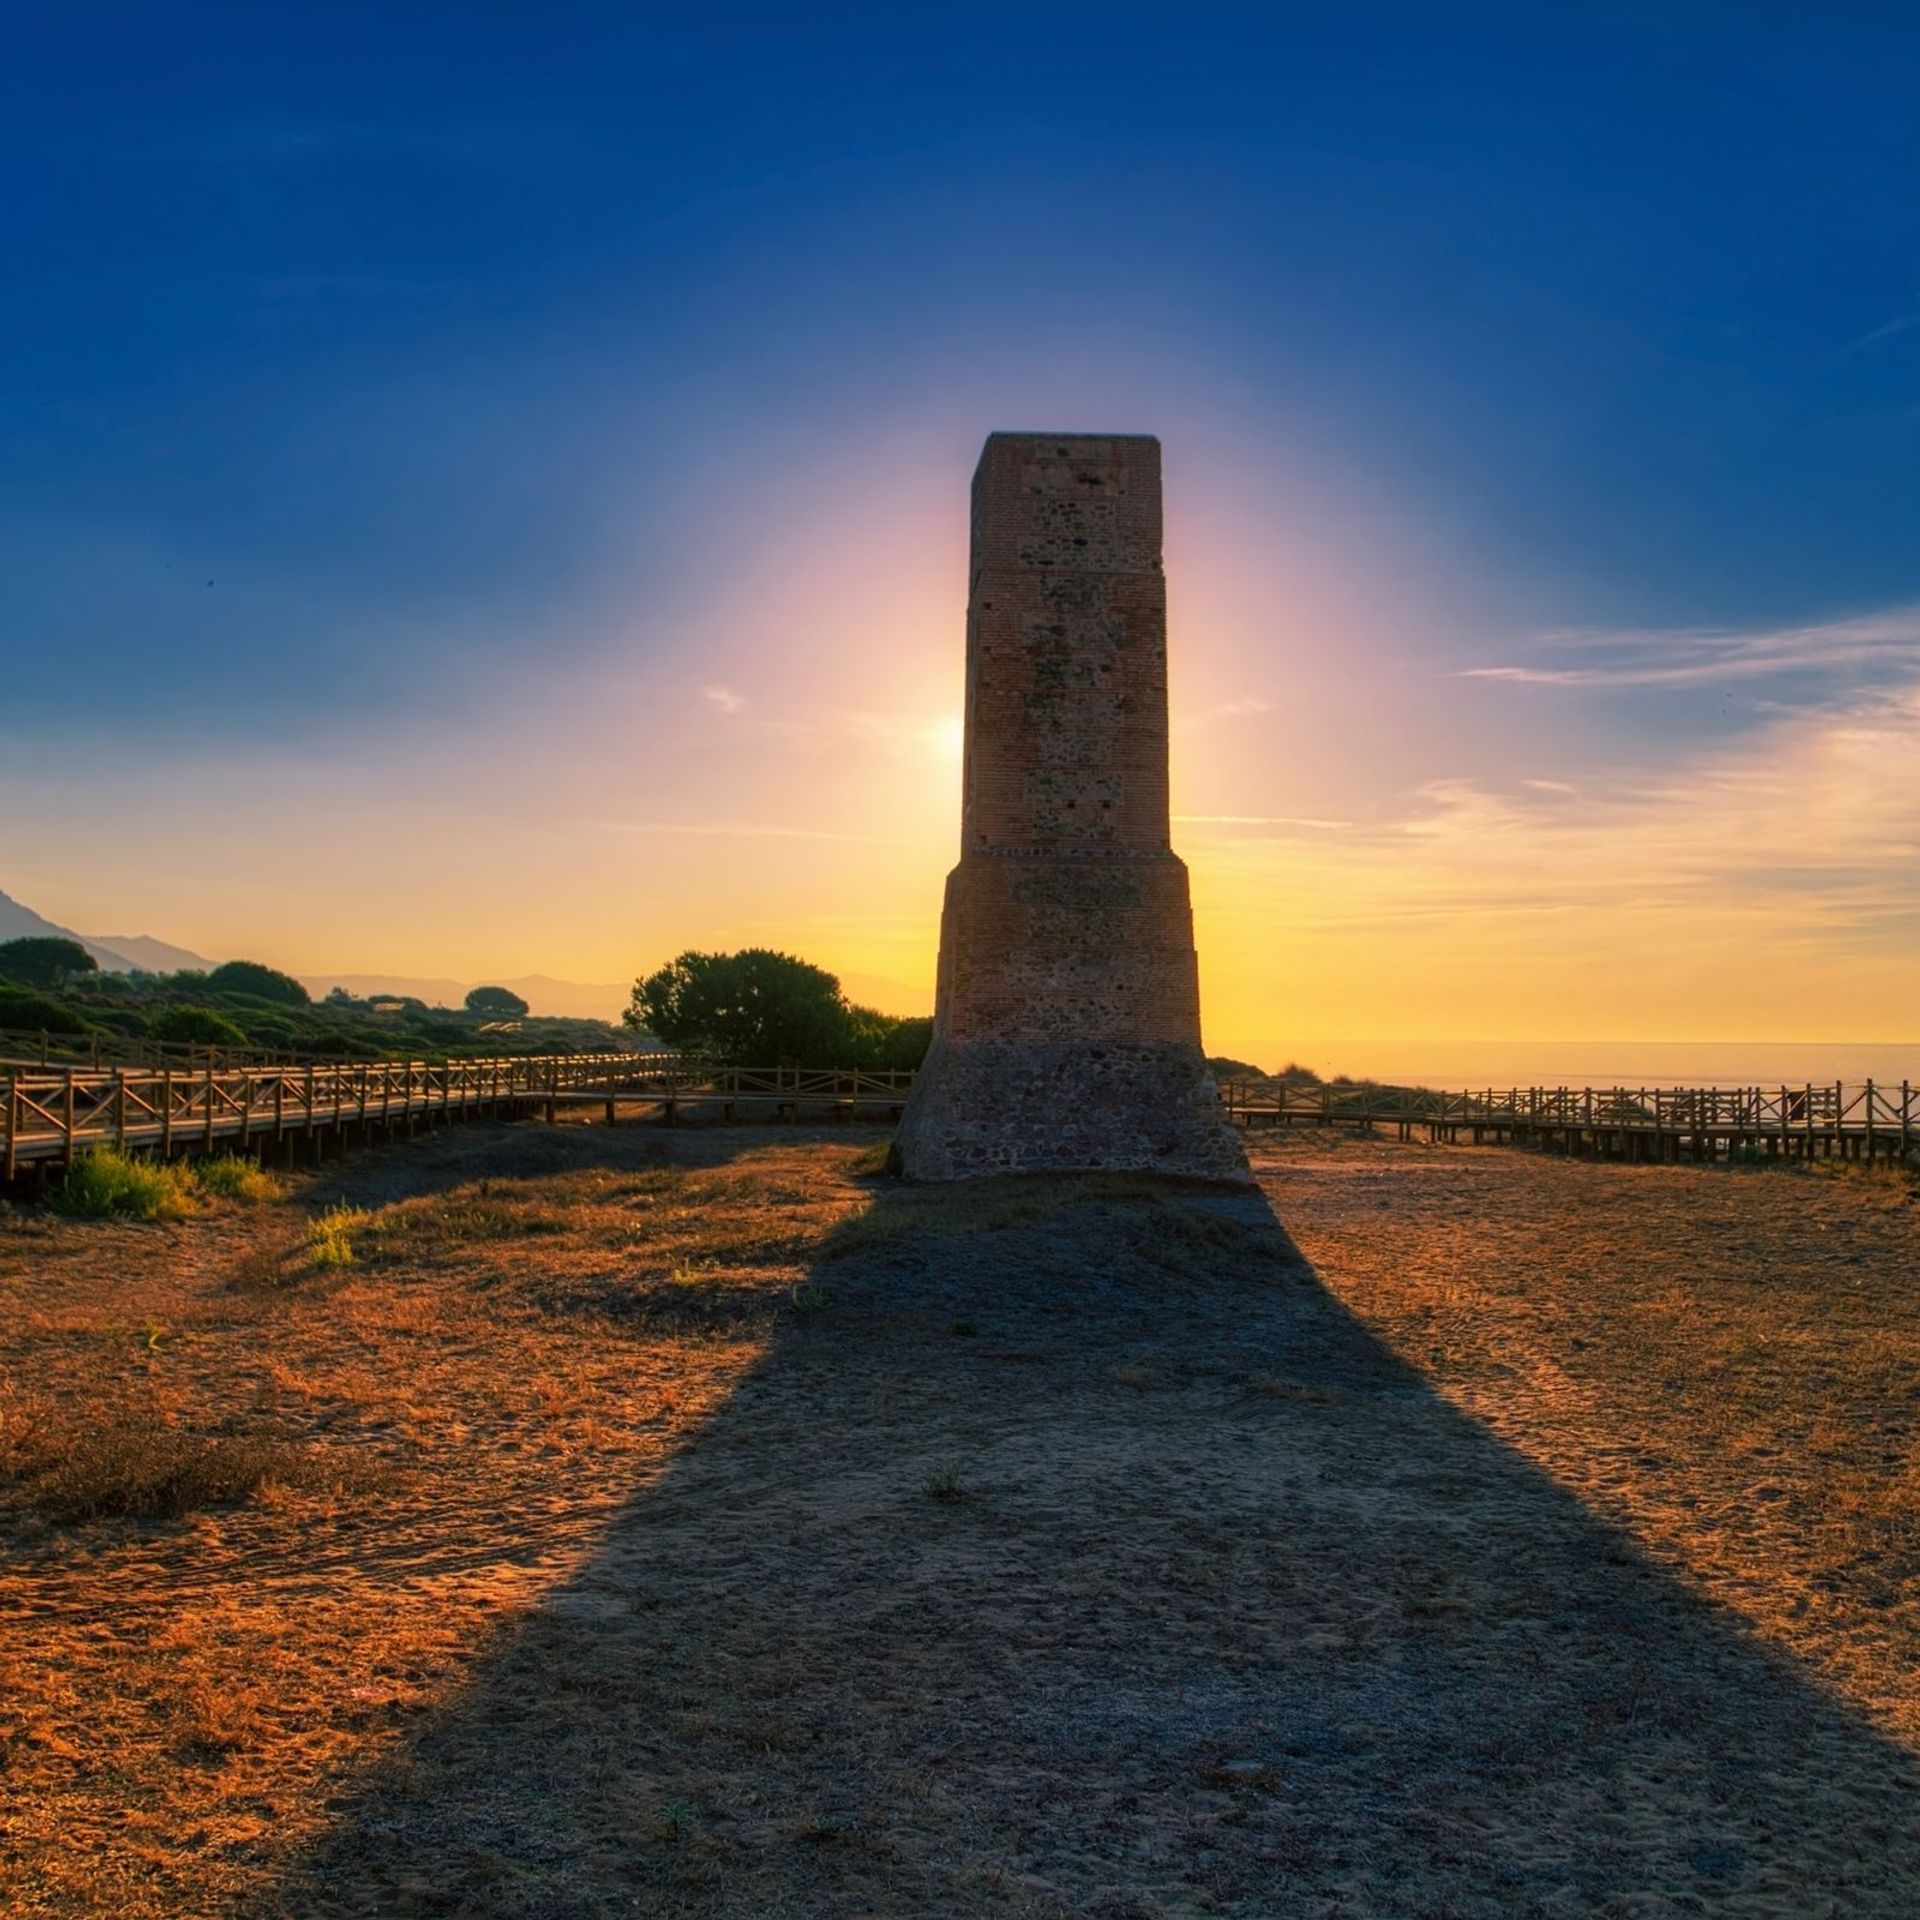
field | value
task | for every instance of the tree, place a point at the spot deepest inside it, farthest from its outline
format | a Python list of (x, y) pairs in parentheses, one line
[(496, 1003), (257, 982), (44, 960), (199, 1025), (883, 1043), (754, 1008)]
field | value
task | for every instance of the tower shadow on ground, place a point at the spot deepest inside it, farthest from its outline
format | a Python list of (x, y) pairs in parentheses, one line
[(1076, 1552)]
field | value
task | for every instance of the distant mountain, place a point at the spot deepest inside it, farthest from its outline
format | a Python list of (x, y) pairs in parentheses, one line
[(120, 952), (575, 999), (22, 923), (580, 1000)]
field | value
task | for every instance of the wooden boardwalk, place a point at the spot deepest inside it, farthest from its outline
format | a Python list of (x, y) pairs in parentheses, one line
[(1860, 1120), (49, 1115)]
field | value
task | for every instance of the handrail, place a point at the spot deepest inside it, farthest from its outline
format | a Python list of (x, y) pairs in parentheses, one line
[(55, 1111)]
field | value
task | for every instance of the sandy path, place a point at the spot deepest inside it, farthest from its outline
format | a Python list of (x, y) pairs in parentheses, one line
[(1095, 1559)]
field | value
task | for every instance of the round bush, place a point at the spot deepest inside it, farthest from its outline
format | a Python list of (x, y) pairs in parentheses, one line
[(29, 1012), (199, 1026)]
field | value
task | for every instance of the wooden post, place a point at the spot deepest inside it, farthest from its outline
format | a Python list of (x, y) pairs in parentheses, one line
[(13, 1127), (1906, 1119), (68, 1122), (1869, 1123)]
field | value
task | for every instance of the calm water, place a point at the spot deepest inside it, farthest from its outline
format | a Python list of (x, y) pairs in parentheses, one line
[(1457, 1065)]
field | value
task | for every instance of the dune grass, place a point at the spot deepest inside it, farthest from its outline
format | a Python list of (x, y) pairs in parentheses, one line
[(107, 1184), (229, 1176), (330, 1236)]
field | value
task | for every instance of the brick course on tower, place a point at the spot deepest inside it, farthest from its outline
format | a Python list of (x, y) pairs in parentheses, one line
[(1067, 1023)]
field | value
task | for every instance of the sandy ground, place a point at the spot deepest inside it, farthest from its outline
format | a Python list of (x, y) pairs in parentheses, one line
[(1443, 1533)]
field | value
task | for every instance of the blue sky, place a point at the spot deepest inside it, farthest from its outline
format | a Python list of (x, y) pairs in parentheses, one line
[(394, 373)]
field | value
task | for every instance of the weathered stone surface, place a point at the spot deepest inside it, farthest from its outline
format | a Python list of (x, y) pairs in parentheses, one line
[(1067, 1022)]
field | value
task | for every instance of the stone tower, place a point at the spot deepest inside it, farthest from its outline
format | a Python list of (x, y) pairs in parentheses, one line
[(1067, 1024)]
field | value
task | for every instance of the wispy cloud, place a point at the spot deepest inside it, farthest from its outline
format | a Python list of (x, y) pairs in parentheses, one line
[(1246, 704), (1258, 820), (1887, 330), (1884, 643), (1805, 834), (724, 698)]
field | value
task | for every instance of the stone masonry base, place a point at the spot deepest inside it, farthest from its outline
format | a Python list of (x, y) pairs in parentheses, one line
[(984, 1107)]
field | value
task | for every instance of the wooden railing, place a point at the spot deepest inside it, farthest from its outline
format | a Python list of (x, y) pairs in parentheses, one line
[(1864, 1117), (58, 1113), (52, 1114)]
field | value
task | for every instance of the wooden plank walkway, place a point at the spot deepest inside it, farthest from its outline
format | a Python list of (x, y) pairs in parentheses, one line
[(1860, 1120), (49, 1115)]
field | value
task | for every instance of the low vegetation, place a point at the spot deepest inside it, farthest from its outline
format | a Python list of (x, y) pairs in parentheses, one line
[(258, 1517), (126, 1459), (331, 1236), (244, 1005), (44, 960), (108, 1184)]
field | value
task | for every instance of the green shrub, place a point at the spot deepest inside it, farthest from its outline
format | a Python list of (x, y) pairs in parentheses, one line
[(44, 960), (108, 1184), (30, 1012), (330, 1237), (257, 982), (230, 1177), (496, 1003), (199, 1025)]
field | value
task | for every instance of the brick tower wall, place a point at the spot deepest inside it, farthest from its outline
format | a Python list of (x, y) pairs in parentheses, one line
[(1067, 1021)]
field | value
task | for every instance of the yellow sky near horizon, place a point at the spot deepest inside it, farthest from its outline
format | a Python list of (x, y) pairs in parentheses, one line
[(1383, 843)]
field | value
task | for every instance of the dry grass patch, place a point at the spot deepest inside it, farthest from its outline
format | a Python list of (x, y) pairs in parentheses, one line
[(275, 1473), (758, 1540), (1722, 1359), (120, 1456)]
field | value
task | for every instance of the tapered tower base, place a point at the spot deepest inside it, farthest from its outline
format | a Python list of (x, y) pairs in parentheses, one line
[(984, 1107)]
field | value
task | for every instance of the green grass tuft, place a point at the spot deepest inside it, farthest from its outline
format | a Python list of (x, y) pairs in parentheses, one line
[(230, 1177), (330, 1238), (106, 1184)]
